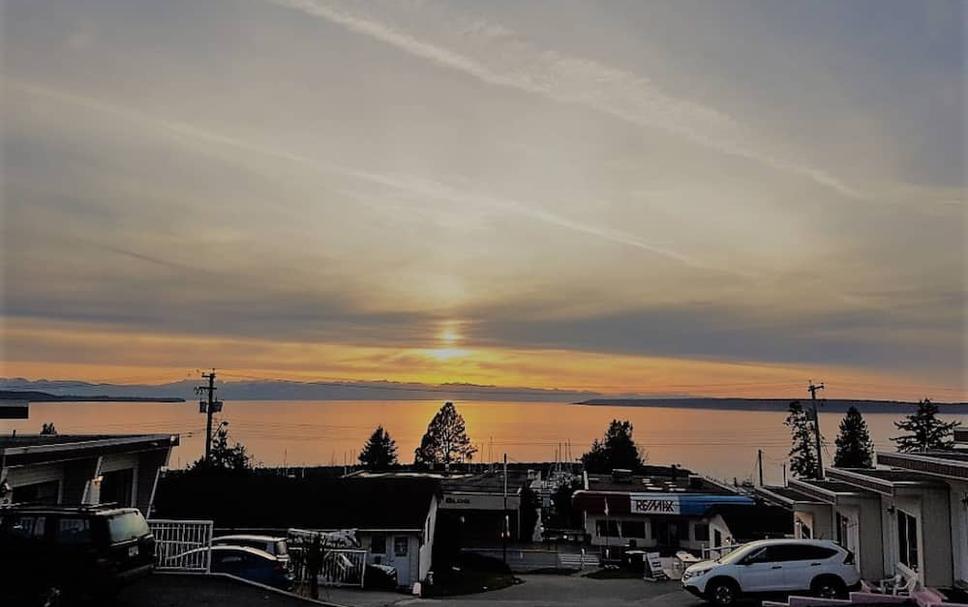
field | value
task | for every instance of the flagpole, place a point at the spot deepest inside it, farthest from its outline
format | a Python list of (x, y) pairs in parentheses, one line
[(607, 528)]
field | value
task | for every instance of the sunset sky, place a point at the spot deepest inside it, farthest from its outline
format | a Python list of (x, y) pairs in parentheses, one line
[(651, 197)]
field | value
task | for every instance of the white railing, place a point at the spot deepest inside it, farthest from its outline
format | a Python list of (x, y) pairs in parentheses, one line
[(182, 545), (342, 567)]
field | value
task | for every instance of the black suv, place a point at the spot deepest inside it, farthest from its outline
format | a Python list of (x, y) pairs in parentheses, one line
[(52, 554)]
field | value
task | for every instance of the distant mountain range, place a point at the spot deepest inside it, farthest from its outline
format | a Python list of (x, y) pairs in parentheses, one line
[(296, 390), (388, 390), (770, 404)]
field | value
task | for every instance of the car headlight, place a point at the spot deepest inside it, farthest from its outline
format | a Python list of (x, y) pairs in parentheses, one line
[(691, 573)]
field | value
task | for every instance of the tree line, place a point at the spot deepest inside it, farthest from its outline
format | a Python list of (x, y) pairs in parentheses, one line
[(446, 442), (922, 430)]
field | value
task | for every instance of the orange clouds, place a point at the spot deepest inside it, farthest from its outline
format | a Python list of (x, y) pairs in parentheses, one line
[(101, 353)]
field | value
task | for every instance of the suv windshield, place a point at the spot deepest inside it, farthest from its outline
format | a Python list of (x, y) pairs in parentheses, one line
[(127, 526)]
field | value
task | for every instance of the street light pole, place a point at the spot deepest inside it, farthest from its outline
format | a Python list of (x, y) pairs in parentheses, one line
[(504, 523), (816, 426)]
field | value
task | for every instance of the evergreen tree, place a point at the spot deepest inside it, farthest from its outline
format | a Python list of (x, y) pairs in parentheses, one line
[(380, 451), (924, 430), (803, 454), (446, 440), (855, 449), (224, 457), (615, 450)]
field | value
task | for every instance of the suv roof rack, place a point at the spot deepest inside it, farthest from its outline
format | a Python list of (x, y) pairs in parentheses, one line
[(61, 507)]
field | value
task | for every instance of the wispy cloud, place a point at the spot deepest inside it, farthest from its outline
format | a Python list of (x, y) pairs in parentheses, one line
[(496, 55), (414, 186)]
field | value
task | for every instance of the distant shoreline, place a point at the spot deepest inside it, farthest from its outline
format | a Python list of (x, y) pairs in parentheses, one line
[(769, 404)]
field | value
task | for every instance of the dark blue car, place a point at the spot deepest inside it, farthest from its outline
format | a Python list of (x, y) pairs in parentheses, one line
[(251, 564)]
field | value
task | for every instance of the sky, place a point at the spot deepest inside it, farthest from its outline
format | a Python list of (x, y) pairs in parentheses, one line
[(629, 197)]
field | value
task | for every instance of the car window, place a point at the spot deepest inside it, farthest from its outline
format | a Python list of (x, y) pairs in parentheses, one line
[(799, 552), (760, 555), (24, 526), (127, 526), (71, 530)]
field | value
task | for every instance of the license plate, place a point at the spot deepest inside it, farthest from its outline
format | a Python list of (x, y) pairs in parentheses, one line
[(133, 551)]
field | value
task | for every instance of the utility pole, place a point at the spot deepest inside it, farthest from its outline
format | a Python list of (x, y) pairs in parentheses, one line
[(816, 426), (208, 407), (759, 464), (783, 465), (504, 531)]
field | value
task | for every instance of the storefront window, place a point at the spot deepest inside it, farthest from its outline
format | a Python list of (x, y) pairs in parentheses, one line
[(611, 531), (633, 529), (907, 540)]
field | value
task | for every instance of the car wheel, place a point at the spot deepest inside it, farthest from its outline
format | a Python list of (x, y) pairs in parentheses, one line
[(722, 593), (828, 588)]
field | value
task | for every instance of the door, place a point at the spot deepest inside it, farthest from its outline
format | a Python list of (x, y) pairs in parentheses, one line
[(761, 571), (801, 564), (398, 556)]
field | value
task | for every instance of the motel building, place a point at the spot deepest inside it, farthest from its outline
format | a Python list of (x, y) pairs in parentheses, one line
[(672, 511), (908, 516), (83, 469)]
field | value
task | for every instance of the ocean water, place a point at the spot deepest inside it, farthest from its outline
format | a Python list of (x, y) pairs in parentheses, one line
[(719, 443)]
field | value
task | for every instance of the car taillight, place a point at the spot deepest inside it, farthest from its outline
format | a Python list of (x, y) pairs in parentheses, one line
[(850, 558)]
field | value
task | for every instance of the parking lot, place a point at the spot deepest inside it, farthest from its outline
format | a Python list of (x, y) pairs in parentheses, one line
[(551, 590)]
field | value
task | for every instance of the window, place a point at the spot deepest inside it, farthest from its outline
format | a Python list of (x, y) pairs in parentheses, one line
[(38, 493), (907, 540), (700, 532), (401, 544), (117, 487), (683, 530), (378, 544), (842, 525), (24, 527), (796, 552), (73, 531), (633, 529), (128, 526), (601, 531)]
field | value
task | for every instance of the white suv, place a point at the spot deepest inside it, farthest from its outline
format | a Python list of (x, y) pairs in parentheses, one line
[(819, 567)]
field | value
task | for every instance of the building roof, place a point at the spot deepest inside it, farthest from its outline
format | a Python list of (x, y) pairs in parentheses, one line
[(650, 483), (785, 496), (488, 482), (376, 503), (267, 501), (883, 481), (24, 449), (946, 464), (830, 490), (754, 522)]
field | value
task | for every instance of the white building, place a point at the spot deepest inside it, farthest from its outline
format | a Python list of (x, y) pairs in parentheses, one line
[(909, 516), (77, 469)]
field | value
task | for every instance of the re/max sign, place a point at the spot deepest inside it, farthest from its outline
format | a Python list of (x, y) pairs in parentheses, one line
[(653, 504)]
